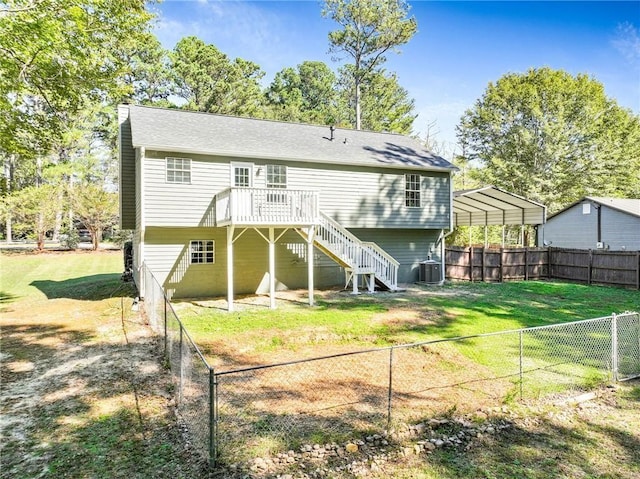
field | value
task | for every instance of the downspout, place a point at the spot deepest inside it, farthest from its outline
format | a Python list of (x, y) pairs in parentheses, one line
[(443, 237), (142, 219)]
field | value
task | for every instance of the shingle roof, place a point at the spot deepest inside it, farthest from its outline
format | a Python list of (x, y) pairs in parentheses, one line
[(204, 133)]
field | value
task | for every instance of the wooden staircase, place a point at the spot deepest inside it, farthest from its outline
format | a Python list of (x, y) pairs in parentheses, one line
[(355, 256)]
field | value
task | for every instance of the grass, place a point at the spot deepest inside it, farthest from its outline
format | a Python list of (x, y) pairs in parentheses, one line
[(98, 417), (82, 390), (456, 309)]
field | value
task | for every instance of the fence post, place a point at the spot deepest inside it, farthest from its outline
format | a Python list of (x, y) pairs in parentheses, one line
[(181, 363), (390, 390), (165, 326), (521, 362), (471, 264), (614, 346), (213, 436)]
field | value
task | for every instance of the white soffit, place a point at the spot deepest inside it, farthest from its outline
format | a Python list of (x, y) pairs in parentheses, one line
[(493, 206)]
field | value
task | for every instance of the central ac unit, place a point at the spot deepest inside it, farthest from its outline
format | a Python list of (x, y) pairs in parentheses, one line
[(600, 245)]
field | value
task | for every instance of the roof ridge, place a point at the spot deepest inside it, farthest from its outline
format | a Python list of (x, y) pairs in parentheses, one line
[(270, 120)]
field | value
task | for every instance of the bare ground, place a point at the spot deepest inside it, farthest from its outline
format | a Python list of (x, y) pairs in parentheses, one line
[(84, 394)]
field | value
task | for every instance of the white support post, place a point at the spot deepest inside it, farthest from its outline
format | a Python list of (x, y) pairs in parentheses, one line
[(272, 269), (310, 265), (372, 283), (230, 231), (354, 282)]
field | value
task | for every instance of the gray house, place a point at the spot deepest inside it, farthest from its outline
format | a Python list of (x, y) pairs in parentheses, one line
[(223, 205), (595, 223)]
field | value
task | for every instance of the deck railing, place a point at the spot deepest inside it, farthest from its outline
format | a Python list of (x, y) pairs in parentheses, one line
[(361, 257), (266, 206)]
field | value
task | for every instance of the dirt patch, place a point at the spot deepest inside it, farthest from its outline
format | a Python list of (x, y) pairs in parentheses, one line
[(83, 394)]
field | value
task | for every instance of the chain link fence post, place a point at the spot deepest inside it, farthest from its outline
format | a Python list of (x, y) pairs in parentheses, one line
[(165, 327), (389, 399), (181, 365), (212, 419), (521, 363), (614, 346)]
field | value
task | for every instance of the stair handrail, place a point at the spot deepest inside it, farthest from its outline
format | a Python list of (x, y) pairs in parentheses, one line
[(359, 254)]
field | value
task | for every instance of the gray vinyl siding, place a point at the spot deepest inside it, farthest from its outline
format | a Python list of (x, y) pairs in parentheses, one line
[(167, 255), (355, 197), (573, 229), (620, 230), (375, 198), (407, 246), (127, 183)]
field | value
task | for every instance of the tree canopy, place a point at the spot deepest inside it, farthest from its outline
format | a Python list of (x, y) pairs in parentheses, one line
[(369, 29), (552, 137)]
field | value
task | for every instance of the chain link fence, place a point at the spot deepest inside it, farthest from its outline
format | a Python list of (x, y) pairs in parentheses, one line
[(238, 414), (192, 376)]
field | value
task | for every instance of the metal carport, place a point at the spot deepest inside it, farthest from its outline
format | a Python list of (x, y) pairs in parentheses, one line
[(493, 206)]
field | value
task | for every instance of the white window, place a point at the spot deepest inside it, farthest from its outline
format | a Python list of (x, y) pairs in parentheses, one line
[(202, 251), (276, 176), (586, 208), (412, 190), (242, 175), (179, 170)]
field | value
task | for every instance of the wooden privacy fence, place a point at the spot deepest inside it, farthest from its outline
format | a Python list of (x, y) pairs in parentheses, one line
[(619, 268)]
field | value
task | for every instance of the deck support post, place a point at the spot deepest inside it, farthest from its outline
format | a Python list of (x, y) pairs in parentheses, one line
[(372, 283), (354, 282), (272, 269), (310, 265), (230, 231)]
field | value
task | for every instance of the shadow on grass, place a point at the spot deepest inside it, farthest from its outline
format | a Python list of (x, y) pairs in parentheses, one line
[(7, 297), (79, 407), (549, 450), (87, 288)]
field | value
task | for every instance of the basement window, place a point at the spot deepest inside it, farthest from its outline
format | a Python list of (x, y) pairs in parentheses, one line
[(202, 251)]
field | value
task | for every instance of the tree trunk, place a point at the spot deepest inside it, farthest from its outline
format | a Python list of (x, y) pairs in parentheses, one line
[(358, 114), (9, 237)]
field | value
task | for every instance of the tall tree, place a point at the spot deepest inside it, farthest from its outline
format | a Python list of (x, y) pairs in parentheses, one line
[(552, 137), (209, 81), (55, 56), (369, 29), (386, 104), (306, 93)]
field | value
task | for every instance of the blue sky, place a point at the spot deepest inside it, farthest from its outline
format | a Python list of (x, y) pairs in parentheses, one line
[(460, 46)]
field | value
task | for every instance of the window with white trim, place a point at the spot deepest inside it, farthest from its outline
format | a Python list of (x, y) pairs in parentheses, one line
[(241, 174), (412, 191), (202, 251), (276, 178), (178, 170)]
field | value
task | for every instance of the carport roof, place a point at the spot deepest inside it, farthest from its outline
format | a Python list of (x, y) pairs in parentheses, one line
[(492, 206)]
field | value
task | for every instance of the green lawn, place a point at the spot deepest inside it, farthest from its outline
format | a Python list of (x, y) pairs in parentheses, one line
[(455, 309), (77, 275)]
